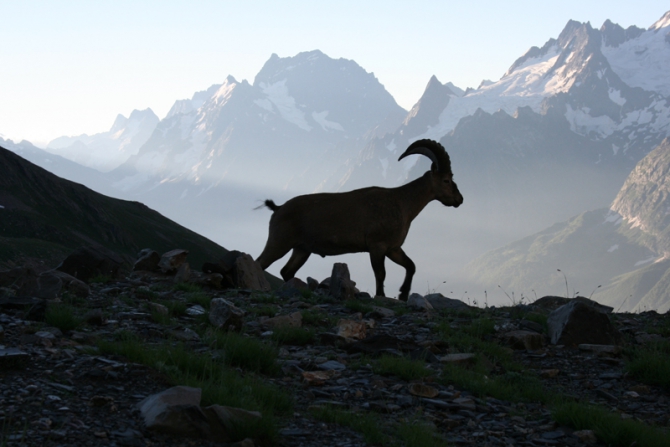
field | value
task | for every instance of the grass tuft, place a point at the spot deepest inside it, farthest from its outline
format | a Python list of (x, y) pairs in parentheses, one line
[(402, 367), (62, 316), (294, 336)]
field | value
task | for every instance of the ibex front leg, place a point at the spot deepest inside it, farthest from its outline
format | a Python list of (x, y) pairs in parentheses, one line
[(399, 257), (377, 261)]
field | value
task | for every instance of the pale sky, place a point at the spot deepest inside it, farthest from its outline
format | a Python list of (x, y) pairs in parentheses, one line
[(69, 67)]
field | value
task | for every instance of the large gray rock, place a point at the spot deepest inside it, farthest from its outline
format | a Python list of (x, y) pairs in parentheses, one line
[(148, 261), (341, 285), (581, 321), (249, 274), (177, 411), (172, 260), (225, 315), (419, 302), (440, 302), (90, 261)]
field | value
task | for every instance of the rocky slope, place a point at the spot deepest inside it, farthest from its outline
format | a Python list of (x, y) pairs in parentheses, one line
[(324, 358)]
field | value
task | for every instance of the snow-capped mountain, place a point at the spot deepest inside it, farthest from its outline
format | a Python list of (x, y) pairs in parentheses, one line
[(107, 150), (298, 113)]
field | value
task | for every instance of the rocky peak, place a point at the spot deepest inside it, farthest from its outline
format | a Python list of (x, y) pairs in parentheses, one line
[(426, 112), (644, 198), (614, 35), (663, 22)]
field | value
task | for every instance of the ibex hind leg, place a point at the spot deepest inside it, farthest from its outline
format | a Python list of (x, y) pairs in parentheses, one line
[(399, 257), (297, 260), (271, 253)]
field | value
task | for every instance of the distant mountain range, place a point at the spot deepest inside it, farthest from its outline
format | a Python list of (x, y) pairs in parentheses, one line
[(620, 254), (106, 151), (557, 135)]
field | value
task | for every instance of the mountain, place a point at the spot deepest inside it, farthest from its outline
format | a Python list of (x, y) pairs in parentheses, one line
[(107, 150), (301, 117), (555, 136), (623, 248), (46, 217), (60, 166)]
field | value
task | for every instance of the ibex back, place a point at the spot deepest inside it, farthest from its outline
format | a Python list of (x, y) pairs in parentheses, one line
[(373, 220)]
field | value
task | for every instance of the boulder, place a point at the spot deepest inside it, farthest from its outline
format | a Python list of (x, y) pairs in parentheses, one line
[(440, 302), (582, 322), (90, 261), (147, 261), (341, 286), (71, 284), (417, 301), (172, 260), (529, 340), (183, 273), (225, 315), (177, 411), (249, 274), (27, 282)]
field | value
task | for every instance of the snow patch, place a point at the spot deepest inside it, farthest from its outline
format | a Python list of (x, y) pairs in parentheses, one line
[(277, 93), (615, 97), (612, 248), (385, 165), (644, 261), (613, 217), (320, 119), (391, 146), (264, 104), (632, 62)]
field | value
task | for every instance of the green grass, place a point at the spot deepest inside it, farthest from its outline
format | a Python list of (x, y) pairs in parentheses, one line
[(248, 353), (200, 298), (367, 424), (650, 364), (608, 427), (145, 293), (358, 306), (220, 384), (402, 367), (418, 434), (294, 336), (264, 310), (317, 318), (100, 279), (187, 287), (62, 316)]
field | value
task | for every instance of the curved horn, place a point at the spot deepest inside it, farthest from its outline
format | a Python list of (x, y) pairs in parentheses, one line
[(431, 149)]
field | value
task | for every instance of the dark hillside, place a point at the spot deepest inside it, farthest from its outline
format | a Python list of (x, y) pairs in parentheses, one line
[(44, 216)]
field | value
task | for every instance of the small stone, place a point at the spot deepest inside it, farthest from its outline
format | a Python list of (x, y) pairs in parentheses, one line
[(351, 329), (586, 436), (531, 341), (549, 373), (291, 320), (158, 308), (94, 317), (332, 365), (631, 395), (640, 389), (466, 403), (421, 390), (317, 378), (195, 310)]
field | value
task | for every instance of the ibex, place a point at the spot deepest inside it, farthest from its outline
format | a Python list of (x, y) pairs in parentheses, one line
[(373, 220)]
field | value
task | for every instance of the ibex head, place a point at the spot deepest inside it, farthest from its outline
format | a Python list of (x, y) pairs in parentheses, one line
[(442, 180)]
